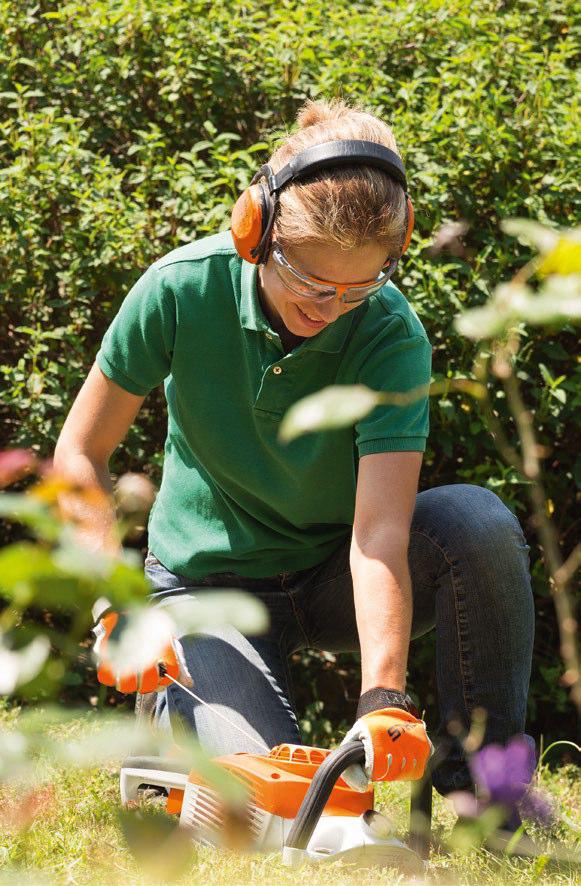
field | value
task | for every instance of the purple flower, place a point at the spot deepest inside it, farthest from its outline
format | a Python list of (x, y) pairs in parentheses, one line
[(537, 807), (503, 776), (504, 773)]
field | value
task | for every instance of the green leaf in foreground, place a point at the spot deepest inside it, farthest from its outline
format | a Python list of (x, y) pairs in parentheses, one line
[(340, 406), (31, 512), (540, 237), (164, 850), (19, 666), (29, 575), (67, 577), (218, 607), (334, 407), (560, 249), (43, 738), (147, 630), (559, 301)]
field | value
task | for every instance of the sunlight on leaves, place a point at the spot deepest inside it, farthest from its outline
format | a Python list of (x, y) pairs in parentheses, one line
[(113, 739), (147, 631), (560, 250), (565, 258)]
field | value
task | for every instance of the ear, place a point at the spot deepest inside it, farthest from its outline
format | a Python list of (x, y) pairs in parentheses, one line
[(410, 219)]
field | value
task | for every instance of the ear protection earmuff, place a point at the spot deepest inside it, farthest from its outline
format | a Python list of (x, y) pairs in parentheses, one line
[(254, 212)]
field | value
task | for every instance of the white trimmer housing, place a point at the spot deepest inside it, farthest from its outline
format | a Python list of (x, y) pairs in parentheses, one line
[(349, 837)]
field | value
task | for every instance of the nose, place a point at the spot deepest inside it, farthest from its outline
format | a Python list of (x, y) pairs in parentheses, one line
[(330, 310)]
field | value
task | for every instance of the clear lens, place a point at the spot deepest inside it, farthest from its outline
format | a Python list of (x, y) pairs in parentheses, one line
[(306, 290), (296, 284), (309, 289), (360, 293)]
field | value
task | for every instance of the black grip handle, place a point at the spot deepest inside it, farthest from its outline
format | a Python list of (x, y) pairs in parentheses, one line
[(319, 791)]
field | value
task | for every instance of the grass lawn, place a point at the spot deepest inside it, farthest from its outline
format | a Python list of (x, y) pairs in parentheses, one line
[(75, 837)]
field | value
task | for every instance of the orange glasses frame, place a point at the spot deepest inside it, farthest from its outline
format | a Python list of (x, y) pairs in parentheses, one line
[(339, 289)]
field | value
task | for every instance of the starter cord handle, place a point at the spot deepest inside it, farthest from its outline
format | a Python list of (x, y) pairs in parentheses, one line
[(319, 791)]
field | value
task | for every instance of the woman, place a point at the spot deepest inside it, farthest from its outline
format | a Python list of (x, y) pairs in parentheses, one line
[(329, 531)]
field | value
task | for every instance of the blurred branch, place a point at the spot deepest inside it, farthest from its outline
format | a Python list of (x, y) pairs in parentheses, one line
[(570, 566), (559, 577), (560, 256), (506, 449)]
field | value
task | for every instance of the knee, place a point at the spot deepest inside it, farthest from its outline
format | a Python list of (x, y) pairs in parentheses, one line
[(474, 518)]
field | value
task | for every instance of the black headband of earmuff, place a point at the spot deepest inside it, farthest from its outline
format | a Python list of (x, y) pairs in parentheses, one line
[(330, 155)]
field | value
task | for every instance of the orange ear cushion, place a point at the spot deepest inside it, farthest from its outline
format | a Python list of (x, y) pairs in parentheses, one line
[(410, 227), (247, 223)]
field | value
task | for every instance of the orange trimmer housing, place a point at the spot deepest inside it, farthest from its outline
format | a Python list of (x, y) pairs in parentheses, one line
[(278, 783)]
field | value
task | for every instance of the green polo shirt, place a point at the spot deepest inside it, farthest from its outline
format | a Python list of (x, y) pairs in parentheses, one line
[(233, 498)]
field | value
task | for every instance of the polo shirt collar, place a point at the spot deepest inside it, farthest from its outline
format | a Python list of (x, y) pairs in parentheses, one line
[(329, 341), (251, 314)]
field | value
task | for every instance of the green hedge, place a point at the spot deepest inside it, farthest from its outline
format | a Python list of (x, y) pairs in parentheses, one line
[(128, 128)]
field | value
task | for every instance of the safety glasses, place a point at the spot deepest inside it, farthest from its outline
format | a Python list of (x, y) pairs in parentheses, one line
[(323, 290)]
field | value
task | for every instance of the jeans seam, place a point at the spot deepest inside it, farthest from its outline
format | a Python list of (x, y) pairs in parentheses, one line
[(435, 542), (297, 615), (461, 623), (287, 678)]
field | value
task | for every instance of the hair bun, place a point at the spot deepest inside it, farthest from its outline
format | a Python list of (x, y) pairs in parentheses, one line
[(314, 113)]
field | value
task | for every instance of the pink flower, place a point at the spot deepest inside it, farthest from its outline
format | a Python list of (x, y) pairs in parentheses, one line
[(46, 468), (465, 804), (15, 464)]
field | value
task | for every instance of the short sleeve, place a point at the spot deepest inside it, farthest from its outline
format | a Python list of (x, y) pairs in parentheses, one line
[(137, 349), (400, 368)]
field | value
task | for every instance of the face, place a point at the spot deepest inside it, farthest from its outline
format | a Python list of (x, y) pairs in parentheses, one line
[(306, 317)]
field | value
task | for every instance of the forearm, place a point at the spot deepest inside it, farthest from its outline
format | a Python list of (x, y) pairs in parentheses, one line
[(90, 506), (383, 606)]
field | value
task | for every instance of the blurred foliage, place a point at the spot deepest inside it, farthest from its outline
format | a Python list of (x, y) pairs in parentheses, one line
[(128, 127)]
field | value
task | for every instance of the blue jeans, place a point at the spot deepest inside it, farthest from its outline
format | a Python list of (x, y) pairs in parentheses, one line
[(468, 562)]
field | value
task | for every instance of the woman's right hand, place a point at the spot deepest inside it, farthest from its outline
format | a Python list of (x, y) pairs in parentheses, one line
[(149, 678), (97, 422)]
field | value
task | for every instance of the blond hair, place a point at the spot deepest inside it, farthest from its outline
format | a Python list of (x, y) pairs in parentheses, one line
[(346, 207)]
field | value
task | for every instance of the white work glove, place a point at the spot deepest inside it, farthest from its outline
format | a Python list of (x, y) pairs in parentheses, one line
[(396, 745)]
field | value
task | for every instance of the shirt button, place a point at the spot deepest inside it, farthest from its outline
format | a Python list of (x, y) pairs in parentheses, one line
[(269, 336), (277, 370)]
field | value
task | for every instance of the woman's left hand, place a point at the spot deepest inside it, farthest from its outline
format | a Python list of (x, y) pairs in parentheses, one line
[(396, 744)]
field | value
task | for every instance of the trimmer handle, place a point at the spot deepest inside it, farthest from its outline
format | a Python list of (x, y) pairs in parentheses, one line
[(320, 789), (323, 783)]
